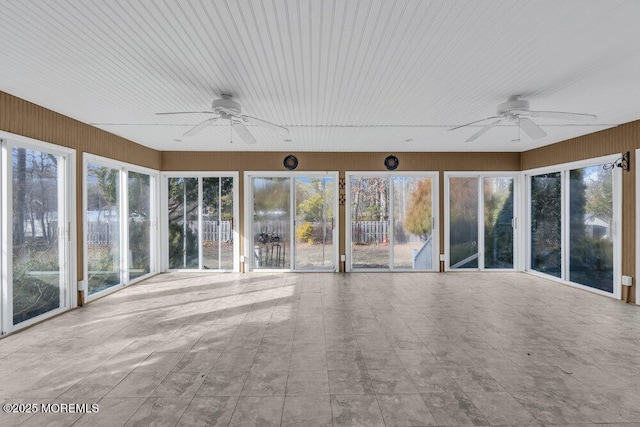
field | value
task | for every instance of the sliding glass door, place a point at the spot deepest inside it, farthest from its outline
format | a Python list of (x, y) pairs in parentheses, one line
[(291, 219), (200, 213), (391, 221), (36, 201), (183, 223), (546, 223), (119, 213), (574, 212), (370, 222), (314, 220), (217, 223), (480, 221), (271, 230), (140, 195), (102, 228)]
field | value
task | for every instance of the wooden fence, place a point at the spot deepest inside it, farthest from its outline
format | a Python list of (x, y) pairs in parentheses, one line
[(105, 232), (369, 232), (363, 232)]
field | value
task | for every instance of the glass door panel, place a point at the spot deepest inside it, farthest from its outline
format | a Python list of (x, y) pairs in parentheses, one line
[(463, 222), (183, 223), (498, 222), (546, 216), (271, 222), (210, 223), (225, 237), (590, 235), (314, 223), (369, 222), (37, 276), (139, 195), (103, 228), (412, 215)]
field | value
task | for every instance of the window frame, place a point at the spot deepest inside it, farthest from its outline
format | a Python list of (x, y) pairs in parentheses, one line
[(249, 265), (123, 168), (564, 169), (164, 217), (67, 232), (516, 176), (435, 217)]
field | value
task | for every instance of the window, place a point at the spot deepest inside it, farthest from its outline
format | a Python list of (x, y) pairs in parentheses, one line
[(392, 221), (37, 231), (573, 215), (118, 218), (480, 221), (201, 212), (291, 221), (546, 223)]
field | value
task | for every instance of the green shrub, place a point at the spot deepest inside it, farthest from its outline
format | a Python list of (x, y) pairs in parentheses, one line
[(304, 232)]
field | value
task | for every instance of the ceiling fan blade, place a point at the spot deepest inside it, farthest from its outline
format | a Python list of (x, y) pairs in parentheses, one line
[(185, 112), (564, 115), (199, 127), (530, 128), (243, 132), (473, 123), (259, 122), (482, 131)]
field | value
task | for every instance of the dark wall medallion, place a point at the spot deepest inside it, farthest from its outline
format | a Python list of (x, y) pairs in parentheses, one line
[(391, 163), (290, 162)]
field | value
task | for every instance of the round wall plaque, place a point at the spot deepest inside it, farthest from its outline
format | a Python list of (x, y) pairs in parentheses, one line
[(391, 162), (290, 162)]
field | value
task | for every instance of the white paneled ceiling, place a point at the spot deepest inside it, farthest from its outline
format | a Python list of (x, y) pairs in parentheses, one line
[(342, 75)]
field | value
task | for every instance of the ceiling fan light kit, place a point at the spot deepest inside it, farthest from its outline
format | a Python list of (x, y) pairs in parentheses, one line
[(519, 111)]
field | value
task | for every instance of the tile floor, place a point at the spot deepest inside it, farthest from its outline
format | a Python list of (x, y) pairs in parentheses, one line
[(330, 349)]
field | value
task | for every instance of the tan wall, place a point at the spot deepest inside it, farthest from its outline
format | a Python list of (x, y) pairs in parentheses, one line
[(611, 141), (341, 162), (27, 119)]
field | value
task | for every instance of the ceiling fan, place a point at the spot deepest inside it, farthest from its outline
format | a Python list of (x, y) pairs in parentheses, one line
[(517, 110), (225, 108)]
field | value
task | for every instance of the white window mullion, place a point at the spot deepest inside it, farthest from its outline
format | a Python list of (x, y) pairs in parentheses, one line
[(390, 220), (200, 222), (565, 250), (124, 226), (617, 235), (154, 229), (63, 232), (219, 224), (6, 309), (481, 247), (435, 221), (292, 223)]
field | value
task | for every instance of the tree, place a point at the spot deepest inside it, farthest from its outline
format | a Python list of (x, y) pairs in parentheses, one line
[(546, 232), (314, 200), (498, 227), (20, 197), (577, 209), (599, 194), (418, 216)]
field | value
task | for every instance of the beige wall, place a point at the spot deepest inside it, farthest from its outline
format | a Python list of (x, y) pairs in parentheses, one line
[(24, 118)]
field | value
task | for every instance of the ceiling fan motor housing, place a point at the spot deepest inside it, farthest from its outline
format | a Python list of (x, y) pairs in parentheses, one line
[(513, 106), (226, 106)]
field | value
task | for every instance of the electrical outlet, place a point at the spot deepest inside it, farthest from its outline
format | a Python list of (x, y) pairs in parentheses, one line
[(627, 280), (343, 258), (241, 258), (442, 257)]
